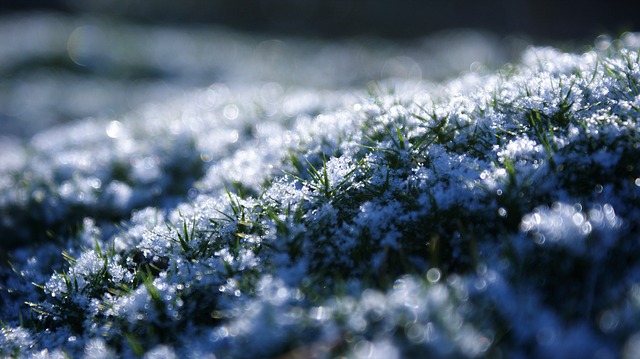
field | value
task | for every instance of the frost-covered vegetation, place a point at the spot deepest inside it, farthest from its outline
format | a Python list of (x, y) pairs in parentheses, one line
[(493, 215), (54, 68)]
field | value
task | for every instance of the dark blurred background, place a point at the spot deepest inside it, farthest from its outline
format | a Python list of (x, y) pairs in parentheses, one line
[(540, 20)]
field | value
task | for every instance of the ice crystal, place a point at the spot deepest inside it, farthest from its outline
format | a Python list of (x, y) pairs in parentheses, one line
[(493, 215)]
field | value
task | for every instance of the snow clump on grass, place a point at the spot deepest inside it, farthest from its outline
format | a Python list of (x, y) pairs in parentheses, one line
[(492, 215)]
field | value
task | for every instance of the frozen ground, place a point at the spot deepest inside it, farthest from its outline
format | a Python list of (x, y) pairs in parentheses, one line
[(289, 207)]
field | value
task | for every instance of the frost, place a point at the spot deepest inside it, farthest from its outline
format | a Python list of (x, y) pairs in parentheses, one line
[(160, 352), (97, 349), (15, 341), (568, 226), (492, 215)]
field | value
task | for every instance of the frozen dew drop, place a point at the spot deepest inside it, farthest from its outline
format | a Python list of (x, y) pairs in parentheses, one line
[(319, 313), (363, 349), (282, 293), (224, 332), (230, 112), (603, 42), (96, 183), (630, 39), (608, 321), (481, 269), (114, 129), (84, 45), (433, 275), (415, 333), (475, 66), (637, 182), (502, 212), (480, 284), (530, 221), (599, 188), (233, 136), (399, 284), (609, 213), (539, 238), (586, 228), (499, 192), (596, 215), (192, 193), (578, 218)]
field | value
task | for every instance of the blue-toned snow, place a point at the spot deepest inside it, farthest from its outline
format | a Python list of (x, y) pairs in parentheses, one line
[(492, 215)]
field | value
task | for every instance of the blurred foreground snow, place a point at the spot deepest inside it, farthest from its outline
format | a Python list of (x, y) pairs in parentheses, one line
[(291, 207)]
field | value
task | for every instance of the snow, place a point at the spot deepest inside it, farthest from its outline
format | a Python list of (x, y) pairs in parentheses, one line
[(493, 214)]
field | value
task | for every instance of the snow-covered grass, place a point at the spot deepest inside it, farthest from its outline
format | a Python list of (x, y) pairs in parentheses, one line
[(55, 68), (493, 215)]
